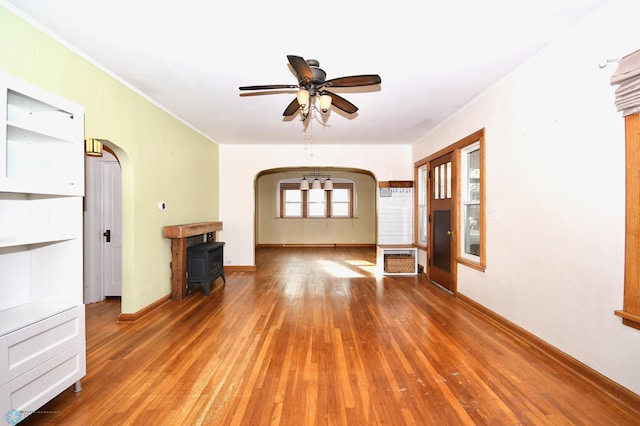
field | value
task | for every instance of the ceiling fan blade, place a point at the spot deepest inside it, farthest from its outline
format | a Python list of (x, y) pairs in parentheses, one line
[(353, 81), (340, 102), (293, 107), (269, 86), (302, 69)]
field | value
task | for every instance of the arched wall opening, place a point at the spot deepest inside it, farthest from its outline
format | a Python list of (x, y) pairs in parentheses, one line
[(270, 229), (100, 277)]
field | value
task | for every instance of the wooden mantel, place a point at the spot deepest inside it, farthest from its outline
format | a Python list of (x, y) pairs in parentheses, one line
[(179, 235)]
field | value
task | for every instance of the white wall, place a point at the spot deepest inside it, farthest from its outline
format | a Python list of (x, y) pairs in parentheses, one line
[(239, 165), (555, 178)]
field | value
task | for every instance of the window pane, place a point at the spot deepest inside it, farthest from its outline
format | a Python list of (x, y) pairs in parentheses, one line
[(316, 210), (436, 183), (422, 185), (292, 210), (316, 203), (443, 182), (422, 205), (292, 203), (422, 224), (340, 195), (316, 195), (340, 210), (472, 229), (473, 173), (292, 195), (448, 179)]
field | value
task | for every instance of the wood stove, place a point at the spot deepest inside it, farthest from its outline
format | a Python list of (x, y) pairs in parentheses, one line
[(204, 264)]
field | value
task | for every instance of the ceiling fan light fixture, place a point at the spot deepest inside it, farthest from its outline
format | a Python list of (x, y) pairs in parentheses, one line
[(311, 82), (303, 99), (325, 103)]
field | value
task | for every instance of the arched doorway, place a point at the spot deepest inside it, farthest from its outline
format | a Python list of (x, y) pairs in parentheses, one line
[(102, 227), (273, 229)]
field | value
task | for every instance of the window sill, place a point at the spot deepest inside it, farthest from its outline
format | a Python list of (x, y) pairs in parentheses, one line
[(474, 265), (629, 319), (318, 217)]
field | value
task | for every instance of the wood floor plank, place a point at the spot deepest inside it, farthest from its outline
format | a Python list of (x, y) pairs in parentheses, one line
[(312, 337)]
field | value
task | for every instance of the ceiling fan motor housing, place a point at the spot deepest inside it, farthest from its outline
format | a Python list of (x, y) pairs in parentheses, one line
[(318, 76)]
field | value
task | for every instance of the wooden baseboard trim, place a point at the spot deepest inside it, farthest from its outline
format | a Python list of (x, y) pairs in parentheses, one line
[(319, 245), (606, 385), (239, 268), (142, 312)]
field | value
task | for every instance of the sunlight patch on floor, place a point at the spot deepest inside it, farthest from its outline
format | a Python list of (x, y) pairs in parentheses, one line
[(338, 270), (365, 265)]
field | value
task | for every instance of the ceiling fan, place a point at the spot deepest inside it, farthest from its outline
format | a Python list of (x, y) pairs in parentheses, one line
[(312, 83)]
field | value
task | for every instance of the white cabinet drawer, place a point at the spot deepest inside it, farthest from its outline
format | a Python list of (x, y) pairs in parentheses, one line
[(28, 347), (32, 390)]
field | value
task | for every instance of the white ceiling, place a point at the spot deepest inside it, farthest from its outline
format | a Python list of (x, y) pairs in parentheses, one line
[(190, 56)]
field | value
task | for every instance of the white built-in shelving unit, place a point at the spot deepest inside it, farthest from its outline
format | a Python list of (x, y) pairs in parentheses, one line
[(42, 322)]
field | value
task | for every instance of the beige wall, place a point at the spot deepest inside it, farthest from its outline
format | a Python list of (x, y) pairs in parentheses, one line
[(161, 158), (274, 230)]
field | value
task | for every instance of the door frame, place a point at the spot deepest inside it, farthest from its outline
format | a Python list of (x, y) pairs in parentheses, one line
[(456, 149)]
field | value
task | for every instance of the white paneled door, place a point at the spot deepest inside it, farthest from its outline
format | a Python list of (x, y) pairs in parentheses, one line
[(111, 221)]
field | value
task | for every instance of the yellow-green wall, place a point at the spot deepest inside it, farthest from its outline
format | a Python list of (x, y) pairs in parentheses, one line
[(162, 159)]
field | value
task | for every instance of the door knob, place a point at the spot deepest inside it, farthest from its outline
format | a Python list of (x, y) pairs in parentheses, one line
[(107, 235)]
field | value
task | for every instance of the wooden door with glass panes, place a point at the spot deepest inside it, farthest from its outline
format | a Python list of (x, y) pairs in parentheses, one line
[(440, 221)]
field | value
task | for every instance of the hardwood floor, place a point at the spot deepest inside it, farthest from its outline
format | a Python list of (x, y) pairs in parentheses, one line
[(313, 338)]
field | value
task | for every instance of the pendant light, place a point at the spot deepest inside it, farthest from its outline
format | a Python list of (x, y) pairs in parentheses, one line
[(328, 184), (304, 184), (316, 184)]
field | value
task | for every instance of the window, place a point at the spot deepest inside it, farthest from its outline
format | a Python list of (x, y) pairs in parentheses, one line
[(341, 202), (470, 207), (292, 202), (316, 202), (421, 204), (338, 203), (470, 199)]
